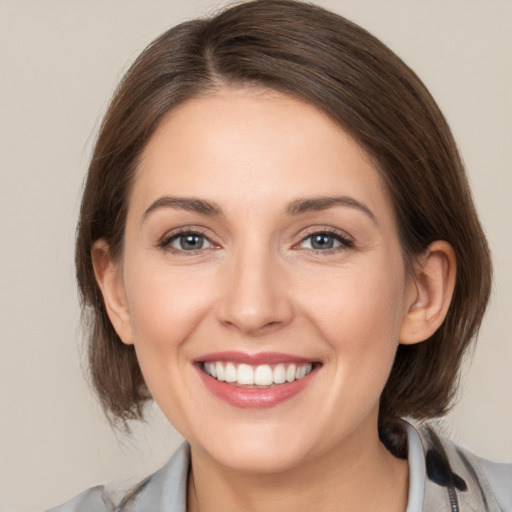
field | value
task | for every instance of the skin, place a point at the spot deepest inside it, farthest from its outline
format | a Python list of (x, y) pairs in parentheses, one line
[(257, 285)]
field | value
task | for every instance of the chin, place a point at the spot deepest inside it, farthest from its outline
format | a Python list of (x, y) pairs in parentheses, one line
[(269, 460), (256, 450)]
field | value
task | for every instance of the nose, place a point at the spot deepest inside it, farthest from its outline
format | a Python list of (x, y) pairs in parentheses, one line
[(254, 297)]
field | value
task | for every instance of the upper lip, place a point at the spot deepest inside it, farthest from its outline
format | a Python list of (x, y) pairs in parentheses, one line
[(254, 359)]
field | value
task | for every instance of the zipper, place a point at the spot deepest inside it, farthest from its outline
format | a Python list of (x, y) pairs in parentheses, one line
[(454, 502)]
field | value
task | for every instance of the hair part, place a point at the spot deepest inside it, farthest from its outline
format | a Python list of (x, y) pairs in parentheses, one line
[(324, 59)]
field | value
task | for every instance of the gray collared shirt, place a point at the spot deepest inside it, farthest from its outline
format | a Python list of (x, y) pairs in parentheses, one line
[(442, 478)]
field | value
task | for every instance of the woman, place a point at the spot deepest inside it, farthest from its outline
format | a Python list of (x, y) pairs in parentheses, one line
[(277, 244)]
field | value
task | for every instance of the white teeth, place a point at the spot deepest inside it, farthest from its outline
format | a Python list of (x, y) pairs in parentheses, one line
[(291, 372), (220, 371), (279, 374), (263, 376), (245, 374), (230, 373), (260, 375)]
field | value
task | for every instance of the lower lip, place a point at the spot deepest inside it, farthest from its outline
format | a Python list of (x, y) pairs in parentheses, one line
[(254, 398)]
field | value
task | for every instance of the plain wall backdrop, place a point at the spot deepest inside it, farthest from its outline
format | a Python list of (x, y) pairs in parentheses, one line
[(60, 61)]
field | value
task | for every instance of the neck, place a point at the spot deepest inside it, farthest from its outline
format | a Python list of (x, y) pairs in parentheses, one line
[(345, 479)]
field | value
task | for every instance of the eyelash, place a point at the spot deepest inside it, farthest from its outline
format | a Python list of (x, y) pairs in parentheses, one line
[(344, 242), (166, 242)]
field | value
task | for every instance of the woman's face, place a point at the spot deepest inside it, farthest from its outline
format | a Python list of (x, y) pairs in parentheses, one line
[(260, 246)]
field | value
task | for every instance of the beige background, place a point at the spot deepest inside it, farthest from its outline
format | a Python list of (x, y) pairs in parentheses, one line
[(59, 62)]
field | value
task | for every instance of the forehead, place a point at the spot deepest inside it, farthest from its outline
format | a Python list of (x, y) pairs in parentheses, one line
[(252, 146)]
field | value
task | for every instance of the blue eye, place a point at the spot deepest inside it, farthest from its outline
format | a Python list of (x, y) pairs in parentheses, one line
[(187, 242), (325, 242)]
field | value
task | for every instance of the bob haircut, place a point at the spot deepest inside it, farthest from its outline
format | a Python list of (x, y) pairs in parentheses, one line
[(319, 57)]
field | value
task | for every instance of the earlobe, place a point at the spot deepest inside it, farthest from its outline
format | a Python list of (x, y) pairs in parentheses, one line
[(432, 287), (110, 281)]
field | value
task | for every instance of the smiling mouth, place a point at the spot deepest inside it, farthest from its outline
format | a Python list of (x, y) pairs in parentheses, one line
[(262, 375)]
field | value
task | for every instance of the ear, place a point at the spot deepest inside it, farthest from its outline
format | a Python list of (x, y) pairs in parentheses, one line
[(430, 293), (110, 281)]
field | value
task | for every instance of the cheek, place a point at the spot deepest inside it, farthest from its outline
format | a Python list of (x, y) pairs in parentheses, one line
[(361, 323), (165, 307), (351, 302), (359, 315)]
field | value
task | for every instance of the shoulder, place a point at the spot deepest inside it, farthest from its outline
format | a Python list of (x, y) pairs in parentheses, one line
[(164, 491), (451, 471), (499, 476), (94, 499)]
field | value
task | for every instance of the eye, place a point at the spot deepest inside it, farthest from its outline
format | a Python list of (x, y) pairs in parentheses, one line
[(325, 241), (186, 242)]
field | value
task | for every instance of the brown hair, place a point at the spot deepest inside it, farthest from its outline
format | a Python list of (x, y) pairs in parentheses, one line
[(322, 58)]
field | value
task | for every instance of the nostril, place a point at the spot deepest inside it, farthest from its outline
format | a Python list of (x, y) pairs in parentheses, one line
[(253, 298)]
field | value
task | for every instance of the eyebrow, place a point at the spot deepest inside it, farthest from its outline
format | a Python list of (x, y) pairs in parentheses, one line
[(297, 207), (191, 204), (311, 204)]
